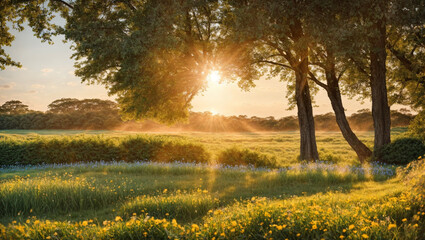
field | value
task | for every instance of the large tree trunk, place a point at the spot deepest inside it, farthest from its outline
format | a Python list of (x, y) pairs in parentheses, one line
[(334, 94), (380, 108), (308, 147)]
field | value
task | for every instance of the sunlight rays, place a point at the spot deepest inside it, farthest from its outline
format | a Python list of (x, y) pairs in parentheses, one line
[(214, 77)]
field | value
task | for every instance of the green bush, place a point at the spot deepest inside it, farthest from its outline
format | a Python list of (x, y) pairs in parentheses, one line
[(401, 151), (417, 126), (38, 150), (235, 156)]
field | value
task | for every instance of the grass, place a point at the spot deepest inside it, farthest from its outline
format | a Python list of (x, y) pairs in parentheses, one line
[(141, 200)]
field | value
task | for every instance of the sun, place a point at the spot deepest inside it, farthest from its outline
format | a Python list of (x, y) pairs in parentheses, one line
[(214, 77), (214, 112)]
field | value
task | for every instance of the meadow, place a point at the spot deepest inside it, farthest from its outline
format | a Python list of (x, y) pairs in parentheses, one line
[(333, 199), (283, 145)]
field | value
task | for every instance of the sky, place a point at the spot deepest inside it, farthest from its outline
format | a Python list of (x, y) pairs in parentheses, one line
[(47, 74)]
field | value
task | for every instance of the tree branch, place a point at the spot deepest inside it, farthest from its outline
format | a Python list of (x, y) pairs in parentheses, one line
[(274, 63), (359, 67), (341, 73), (64, 3), (402, 58), (312, 77)]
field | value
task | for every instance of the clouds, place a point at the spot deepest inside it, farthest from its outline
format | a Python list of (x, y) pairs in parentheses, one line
[(46, 71), (72, 84), (37, 86), (7, 86)]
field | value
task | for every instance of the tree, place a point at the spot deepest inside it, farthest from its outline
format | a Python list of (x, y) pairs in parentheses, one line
[(154, 55), (372, 25), (69, 105), (14, 107), (270, 36), (329, 64), (63, 105), (406, 48)]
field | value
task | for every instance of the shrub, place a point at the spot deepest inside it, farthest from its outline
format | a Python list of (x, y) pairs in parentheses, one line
[(25, 151), (401, 151), (235, 156), (417, 126), (181, 151)]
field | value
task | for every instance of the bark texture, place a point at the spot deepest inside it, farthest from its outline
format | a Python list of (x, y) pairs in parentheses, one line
[(334, 94), (308, 146), (380, 107)]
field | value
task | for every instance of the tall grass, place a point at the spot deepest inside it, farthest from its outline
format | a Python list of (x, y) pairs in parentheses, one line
[(182, 206), (367, 210), (52, 194), (76, 187)]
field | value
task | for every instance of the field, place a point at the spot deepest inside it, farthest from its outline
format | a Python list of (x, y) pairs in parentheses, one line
[(141, 200), (283, 145)]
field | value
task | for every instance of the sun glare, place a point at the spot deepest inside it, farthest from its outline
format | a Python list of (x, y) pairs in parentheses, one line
[(213, 112), (214, 77)]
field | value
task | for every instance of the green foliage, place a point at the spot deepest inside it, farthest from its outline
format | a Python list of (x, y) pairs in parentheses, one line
[(401, 151), (235, 156), (68, 105), (417, 126), (153, 55), (182, 206), (162, 149), (13, 107), (16, 151)]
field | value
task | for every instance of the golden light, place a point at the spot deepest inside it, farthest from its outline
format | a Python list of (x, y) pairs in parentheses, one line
[(214, 77), (213, 112)]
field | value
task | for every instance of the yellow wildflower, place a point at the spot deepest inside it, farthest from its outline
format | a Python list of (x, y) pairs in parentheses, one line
[(391, 226)]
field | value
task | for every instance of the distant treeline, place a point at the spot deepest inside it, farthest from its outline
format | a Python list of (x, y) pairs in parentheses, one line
[(96, 114)]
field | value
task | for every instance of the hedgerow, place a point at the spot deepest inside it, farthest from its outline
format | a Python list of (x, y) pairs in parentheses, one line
[(49, 150)]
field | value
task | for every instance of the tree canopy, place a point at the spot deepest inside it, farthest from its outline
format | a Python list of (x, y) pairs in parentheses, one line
[(13, 107)]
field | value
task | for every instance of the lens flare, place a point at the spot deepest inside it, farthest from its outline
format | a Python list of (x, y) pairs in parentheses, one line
[(214, 77)]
